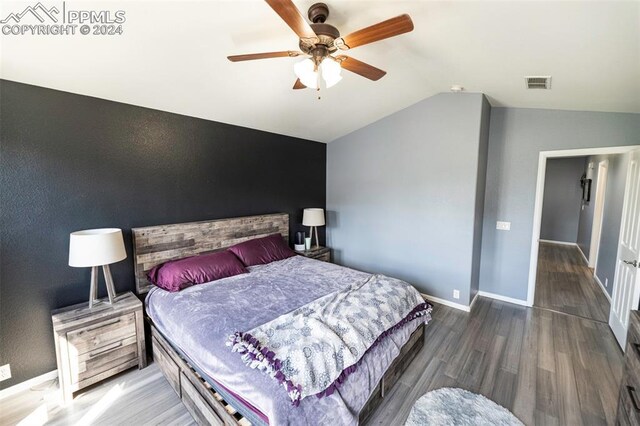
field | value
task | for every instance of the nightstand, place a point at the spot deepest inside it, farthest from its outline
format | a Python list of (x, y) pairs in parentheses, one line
[(95, 343), (319, 253)]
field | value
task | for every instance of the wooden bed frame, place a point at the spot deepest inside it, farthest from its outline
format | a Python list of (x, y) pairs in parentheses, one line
[(157, 244)]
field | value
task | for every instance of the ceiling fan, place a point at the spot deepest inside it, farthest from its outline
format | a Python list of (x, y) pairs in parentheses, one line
[(320, 42)]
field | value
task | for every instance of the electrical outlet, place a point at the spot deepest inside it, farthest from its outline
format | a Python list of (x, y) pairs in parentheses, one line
[(5, 372), (606, 282), (456, 294), (503, 226)]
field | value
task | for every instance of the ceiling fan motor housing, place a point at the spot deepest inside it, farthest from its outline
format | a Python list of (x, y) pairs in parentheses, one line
[(318, 13), (319, 41)]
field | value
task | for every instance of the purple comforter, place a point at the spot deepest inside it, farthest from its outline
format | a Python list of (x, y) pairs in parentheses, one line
[(198, 320)]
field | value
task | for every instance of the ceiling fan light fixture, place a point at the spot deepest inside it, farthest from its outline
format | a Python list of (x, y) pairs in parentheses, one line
[(320, 40), (305, 71), (330, 71), (330, 82)]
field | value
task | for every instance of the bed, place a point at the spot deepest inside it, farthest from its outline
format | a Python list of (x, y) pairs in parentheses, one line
[(188, 328)]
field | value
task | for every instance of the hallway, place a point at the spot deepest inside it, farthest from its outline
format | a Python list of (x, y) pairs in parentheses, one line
[(565, 284)]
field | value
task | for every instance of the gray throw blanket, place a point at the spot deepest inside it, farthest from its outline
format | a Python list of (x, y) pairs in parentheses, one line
[(312, 349)]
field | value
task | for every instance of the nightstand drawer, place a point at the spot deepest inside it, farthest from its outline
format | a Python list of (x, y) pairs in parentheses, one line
[(622, 419), (326, 257), (317, 253), (99, 360), (102, 334), (630, 400), (94, 343), (632, 355)]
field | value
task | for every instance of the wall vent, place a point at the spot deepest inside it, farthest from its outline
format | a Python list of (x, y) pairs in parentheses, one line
[(538, 82)]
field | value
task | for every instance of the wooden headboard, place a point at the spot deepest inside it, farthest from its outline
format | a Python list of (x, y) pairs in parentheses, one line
[(153, 245)]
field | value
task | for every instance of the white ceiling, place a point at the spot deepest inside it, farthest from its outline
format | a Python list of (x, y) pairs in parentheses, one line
[(172, 57)]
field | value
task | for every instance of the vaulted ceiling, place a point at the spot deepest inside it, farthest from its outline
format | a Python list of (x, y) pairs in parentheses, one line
[(172, 56)]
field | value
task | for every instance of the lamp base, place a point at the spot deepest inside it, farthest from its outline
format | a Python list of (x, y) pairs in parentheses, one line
[(93, 289), (311, 232)]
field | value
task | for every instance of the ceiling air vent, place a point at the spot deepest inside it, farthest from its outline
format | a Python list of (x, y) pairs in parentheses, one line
[(538, 82)]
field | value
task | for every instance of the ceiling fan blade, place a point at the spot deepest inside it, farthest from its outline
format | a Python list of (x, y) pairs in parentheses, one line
[(292, 16), (266, 55), (360, 68), (385, 29), (298, 85)]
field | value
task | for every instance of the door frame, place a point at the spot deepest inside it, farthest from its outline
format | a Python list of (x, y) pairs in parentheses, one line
[(537, 212), (598, 213)]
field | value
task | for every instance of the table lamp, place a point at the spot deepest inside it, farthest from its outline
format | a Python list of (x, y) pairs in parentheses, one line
[(313, 218), (93, 248)]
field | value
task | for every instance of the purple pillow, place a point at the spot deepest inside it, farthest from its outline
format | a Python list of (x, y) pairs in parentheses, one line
[(262, 250), (177, 275)]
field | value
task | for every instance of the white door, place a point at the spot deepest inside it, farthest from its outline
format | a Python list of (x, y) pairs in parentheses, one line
[(626, 288)]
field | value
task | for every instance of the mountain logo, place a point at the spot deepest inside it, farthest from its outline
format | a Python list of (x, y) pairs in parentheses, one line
[(38, 11)]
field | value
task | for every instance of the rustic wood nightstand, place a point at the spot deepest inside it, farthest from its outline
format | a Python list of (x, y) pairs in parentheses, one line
[(95, 343), (319, 253)]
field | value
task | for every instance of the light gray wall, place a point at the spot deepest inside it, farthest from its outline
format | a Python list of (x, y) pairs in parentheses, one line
[(562, 199), (516, 138), (614, 194), (585, 219), (481, 182), (612, 217), (401, 194)]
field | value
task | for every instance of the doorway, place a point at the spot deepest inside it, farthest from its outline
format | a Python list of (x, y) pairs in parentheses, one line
[(565, 282), (601, 173)]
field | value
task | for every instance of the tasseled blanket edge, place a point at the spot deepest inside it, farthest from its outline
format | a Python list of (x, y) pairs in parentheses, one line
[(257, 356)]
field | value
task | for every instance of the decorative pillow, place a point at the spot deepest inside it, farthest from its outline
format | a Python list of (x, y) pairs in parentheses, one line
[(177, 275), (262, 250)]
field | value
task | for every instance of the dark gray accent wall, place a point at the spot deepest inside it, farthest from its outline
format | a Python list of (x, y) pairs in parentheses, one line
[(71, 162), (562, 199), (516, 138), (403, 194)]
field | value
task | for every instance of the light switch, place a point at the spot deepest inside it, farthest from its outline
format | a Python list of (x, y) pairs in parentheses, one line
[(503, 226)]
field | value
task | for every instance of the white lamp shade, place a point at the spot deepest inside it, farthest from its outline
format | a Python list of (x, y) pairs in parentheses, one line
[(313, 217), (96, 247)]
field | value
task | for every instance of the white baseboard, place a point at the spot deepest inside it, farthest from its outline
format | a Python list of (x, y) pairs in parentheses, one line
[(28, 384), (503, 298), (473, 302), (566, 243), (562, 243), (604, 290), (583, 256), (446, 302)]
